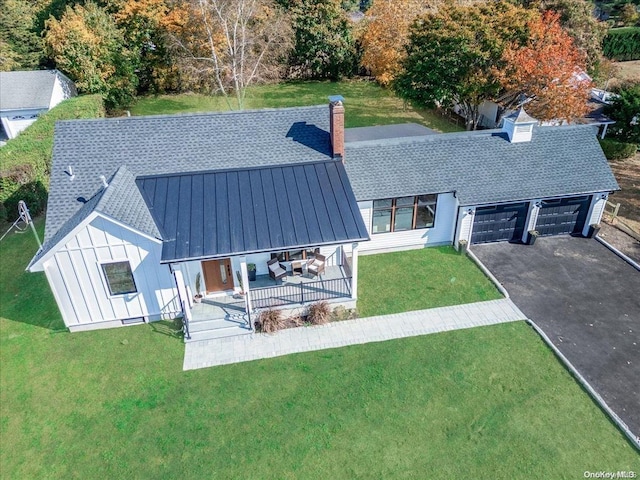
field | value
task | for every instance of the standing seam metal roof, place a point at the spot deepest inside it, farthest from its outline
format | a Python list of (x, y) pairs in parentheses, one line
[(221, 213)]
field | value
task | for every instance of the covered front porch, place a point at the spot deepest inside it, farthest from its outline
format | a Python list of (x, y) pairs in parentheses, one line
[(277, 236), (232, 309)]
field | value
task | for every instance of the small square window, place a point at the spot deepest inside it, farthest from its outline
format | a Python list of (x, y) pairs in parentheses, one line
[(119, 278)]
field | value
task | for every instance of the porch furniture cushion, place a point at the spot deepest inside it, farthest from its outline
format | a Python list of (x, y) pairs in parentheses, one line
[(275, 269), (297, 267), (315, 266)]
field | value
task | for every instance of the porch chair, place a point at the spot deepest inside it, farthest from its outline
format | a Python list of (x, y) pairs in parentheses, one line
[(275, 269), (315, 266)]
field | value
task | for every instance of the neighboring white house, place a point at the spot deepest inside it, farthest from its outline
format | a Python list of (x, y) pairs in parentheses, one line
[(26, 94), (491, 113), (143, 210)]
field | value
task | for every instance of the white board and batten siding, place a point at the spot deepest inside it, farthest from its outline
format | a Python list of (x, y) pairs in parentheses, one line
[(76, 277), (466, 216), (596, 210), (440, 234)]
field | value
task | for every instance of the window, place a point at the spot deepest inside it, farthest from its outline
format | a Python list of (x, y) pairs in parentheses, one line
[(404, 213), (119, 278), (295, 255)]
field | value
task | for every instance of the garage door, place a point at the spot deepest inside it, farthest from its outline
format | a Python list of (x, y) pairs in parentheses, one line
[(562, 216), (499, 223)]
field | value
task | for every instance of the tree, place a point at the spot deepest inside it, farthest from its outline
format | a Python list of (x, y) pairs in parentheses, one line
[(625, 110), (385, 37), (226, 45), (452, 55), (87, 45), (629, 14), (547, 70), (144, 27), (20, 45), (323, 44), (587, 32)]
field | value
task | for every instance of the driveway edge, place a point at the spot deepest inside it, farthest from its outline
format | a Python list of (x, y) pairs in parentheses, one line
[(488, 273), (634, 439), (618, 252)]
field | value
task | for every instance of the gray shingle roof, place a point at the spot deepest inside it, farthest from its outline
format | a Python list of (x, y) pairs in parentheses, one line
[(178, 143), (482, 167), (29, 89), (120, 200), (123, 201)]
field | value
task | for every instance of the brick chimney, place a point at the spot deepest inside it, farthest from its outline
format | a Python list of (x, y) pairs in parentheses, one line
[(336, 125)]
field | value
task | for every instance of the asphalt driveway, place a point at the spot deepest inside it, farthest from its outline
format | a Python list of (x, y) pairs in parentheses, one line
[(587, 301)]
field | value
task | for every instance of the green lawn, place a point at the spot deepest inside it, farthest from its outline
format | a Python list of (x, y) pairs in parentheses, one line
[(366, 103), (489, 402), (417, 279)]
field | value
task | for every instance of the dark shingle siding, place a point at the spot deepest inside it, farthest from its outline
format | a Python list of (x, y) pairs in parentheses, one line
[(482, 167)]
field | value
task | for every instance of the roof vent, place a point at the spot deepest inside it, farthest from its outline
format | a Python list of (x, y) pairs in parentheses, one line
[(104, 181), (519, 126), (70, 172)]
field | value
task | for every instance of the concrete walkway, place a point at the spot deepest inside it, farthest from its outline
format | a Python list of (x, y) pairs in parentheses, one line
[(243, 348)]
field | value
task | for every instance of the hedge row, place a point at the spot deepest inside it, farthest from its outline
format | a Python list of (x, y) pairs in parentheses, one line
[(622, 44), (616, 150), (25, 161)]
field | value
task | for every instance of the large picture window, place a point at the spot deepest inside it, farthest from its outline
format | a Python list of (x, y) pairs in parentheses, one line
[(295, 255), (119, 278), (404, 213)]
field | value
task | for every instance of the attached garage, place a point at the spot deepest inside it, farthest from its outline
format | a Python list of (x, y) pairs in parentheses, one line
[(499, 223), (563, 215)]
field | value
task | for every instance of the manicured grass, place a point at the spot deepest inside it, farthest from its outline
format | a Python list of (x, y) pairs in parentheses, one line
[(366, 103), (418, 279), (488, 402)]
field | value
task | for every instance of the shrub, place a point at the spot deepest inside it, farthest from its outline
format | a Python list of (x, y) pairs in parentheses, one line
[(319, 313), (270, 320), (34, 195), (625, 111), (615, 150), (26, 160), (341, 313), (622, 44)]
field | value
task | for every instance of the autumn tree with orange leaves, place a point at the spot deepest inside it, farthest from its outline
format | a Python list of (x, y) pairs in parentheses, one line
[(385, 37), (547, 70)]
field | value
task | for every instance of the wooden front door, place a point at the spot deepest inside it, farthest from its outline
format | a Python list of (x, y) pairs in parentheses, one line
[(217, 275)]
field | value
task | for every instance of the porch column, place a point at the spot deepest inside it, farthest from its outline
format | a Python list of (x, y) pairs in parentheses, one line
[(354, 270), (244, 274)]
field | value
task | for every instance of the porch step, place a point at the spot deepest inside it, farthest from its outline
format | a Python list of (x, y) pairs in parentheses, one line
[(217, 328), (217, 333), (215, 324)]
